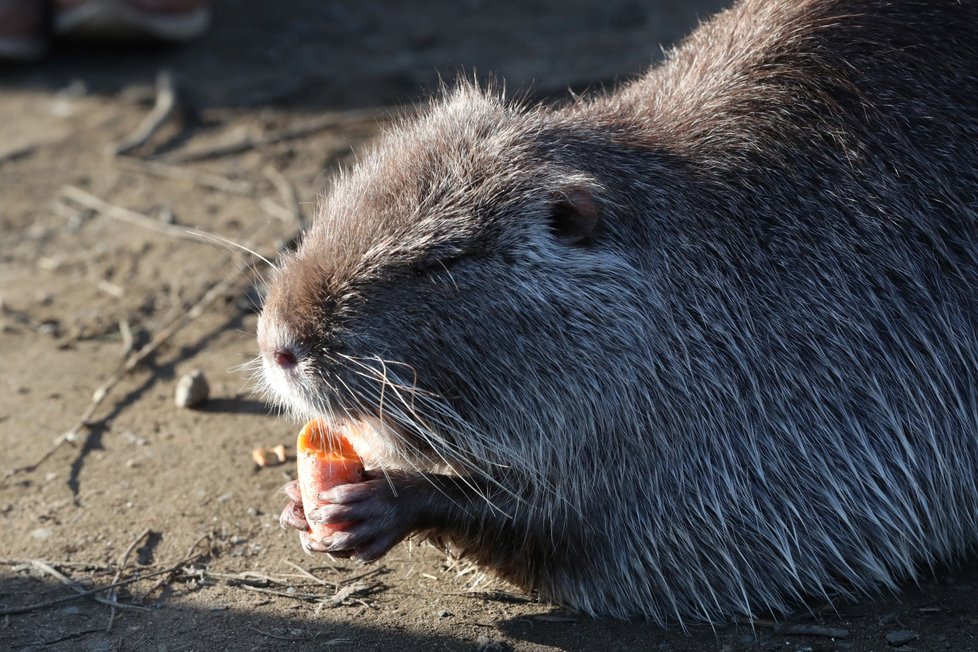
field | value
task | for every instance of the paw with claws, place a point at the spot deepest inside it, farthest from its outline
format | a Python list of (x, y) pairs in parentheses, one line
[(377, 514)]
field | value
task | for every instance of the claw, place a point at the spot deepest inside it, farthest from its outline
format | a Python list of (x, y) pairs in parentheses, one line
[(342, 541), (348, 493), (332, 514), (292, 491), (293, 517), (310, 544)]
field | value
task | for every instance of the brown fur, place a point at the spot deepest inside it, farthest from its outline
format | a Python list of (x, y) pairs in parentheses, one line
[(704, 345)]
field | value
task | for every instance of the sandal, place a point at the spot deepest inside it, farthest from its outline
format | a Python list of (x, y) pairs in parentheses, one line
[(167, 20)]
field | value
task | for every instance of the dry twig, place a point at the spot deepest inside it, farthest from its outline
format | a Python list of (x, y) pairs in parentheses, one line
[(203, 179), (287, 192), (84, 594), (113, 594), (798, 629), (166, 101), (103, 207), (77, 588), (249, 141)]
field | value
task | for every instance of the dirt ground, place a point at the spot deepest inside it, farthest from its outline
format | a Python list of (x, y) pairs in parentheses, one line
[(167, 500)]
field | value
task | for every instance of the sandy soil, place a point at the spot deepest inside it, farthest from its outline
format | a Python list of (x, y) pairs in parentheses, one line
[(169, 498)]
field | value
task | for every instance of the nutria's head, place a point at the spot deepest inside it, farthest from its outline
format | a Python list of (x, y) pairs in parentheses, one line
[(455, 286)]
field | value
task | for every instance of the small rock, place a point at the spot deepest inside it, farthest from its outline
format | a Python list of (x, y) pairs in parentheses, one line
[(50, 264), (900, 637), (71, 611), (486, 644), (134, 439), (49, 327), (192, 390), (444, 613), (41, 533), (236, 540), (253, 512), (225, 497)]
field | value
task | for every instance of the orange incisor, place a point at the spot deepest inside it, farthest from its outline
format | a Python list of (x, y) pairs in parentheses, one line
[(324, 459)]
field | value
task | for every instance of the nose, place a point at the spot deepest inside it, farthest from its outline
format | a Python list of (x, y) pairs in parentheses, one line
[(281, 354), (284, 358)]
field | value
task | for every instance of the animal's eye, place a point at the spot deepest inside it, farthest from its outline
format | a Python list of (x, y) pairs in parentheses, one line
[(433, 265)]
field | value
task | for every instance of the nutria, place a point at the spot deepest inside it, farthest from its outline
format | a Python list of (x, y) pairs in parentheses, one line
[(701, 346)]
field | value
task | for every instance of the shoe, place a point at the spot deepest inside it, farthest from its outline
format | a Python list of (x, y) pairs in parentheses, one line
[(23, 29), (167, 20)]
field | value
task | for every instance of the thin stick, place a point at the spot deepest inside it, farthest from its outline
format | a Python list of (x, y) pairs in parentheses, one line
[(113, 594), (84, 565), (299, 131), (287, 191), (77, 588), (103, 207), (306, 573), (166, 101), (125, 331), (797, 629), (276, 211), (204, 179), (278, 636), (12, 611), (178, 567), (305, 597)]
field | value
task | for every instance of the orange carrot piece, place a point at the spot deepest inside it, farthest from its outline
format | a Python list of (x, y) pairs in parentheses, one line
[(324, 459)]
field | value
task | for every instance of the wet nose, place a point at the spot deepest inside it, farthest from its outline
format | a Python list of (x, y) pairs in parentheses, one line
[(284, 358), (282, 355)]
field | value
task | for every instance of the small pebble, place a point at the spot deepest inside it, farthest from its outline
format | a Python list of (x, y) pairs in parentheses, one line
[(192, 390), (41, 533), (134, 439), (444, 613), (237, 540), (486, 644), (253, 512), (49, 327), (900, 637)]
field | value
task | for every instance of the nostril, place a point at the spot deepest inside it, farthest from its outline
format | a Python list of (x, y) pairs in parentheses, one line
[(284, 358)]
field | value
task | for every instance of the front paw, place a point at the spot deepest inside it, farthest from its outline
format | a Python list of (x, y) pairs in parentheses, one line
[(377, 514)]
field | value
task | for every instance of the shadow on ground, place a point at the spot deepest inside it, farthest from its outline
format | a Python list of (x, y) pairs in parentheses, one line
[(341, 55)]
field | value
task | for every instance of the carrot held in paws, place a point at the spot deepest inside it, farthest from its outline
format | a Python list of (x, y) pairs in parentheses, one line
[(324, 459)]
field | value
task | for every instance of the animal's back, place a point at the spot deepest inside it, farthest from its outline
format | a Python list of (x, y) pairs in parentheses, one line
[(809, 229), (701, 346)]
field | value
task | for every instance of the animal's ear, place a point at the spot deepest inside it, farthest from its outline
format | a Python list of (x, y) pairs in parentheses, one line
[(574, 216)]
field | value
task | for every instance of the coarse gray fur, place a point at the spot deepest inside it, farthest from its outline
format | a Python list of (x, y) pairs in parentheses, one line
[(753, 382)]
